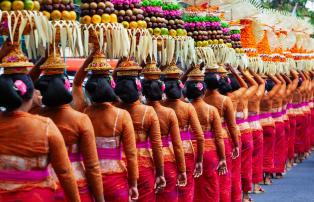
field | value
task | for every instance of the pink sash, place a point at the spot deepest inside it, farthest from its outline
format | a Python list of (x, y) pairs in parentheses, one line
[(208, 135), (75, 157), (165, 141), (276, 114), (265, 115), (240, 121), (110, 153), (185, 135), (143, 145), (30, 175), (253, 118)]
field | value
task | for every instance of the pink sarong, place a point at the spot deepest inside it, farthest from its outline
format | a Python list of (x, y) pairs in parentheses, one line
[(36, 194), (225, 180), (287, 136), (236, 184), (85, 195), (170, 193), (115, 187), (308, 132), (269, 133), (257, 161), (312, 127), (207, 185), (299, 144), (145, 184), (246, 161), (279, 153), (186, 193), (291, 137)]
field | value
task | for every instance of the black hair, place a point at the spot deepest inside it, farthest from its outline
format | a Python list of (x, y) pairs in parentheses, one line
[(152, 89), (212, 80), (126, 89), (192, 90), (10, 97), (225, 86), (99, 88), (53, 90), (300, 81), (173, 89), (269, 85), (234, 83)]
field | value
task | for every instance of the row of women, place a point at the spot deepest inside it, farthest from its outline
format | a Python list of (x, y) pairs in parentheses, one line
[(183, 137)]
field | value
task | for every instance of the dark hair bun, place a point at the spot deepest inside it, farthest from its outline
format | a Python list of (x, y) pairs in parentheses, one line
[(173, 89), (212, 81), (126, 89), (12, 98), (192, 89), (99, 89), (225, 86), (152, 89), (269, 84), (53, 90)]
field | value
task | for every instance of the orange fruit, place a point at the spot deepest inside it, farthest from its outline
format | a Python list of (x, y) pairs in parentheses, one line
[(47, 14), (86, 19), (105, 18), (72, 15), (96, 19), (65, 15), (55, 15), (133, 25), (113, 18)]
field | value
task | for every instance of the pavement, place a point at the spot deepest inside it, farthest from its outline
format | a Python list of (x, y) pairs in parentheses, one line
[(296, 186)]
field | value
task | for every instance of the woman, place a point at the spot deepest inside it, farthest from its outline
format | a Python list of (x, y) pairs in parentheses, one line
[(189, 125), (175, 171), (147, 131), (272, 87), (230, 131), (257, 133), (31, 140), (214, 163), (113, 135), (76, 128)]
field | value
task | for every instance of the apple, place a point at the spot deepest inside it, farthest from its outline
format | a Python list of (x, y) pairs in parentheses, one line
[(133, 25), (113, 18), (151, 31), (55, 15), (125, 24), (86, 19), (157, 31), (96, 19), (164, 31), (173, 32), (28, 5), (105, 18), (5, 5), (17, 5)]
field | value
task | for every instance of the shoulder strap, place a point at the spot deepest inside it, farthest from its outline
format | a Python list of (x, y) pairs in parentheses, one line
[(144, 117), (115, 123)]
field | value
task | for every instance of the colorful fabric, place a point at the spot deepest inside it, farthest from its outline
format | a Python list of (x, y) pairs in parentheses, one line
[(115, 187), (146, 184), (170, 193), (186, 193), (85, 195), (225, 180), (280, 147), (269, 134), (257, 158), (236, 181), (312, 127), (308, 132), (207, 185), (287, 136), (291, 137), (36, 194), (246, 161), (299, 146)]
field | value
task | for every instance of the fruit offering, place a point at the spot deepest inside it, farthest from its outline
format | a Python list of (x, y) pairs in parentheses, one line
[(129, 13), (58, 9), (18, 5), (235, 38), (173, 14), (98, 11), (154, 17)]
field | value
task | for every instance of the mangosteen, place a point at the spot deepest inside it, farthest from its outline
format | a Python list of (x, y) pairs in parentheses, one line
[(100, 11), (149, 24), (139, 17), (62, 7), (132, 6), (49, 8), (120, 18), (155, 24), (92, 12), (107, 10), (118, 6), (137, 5), (127, 18), (126, 6), (133, 18)]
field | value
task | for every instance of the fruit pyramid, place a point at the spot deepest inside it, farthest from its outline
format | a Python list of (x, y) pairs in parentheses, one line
[(173, 14), (154, 17), (235, 38), (58, 9), (18, 5), (196, 27), (129, 13), (98, 11)]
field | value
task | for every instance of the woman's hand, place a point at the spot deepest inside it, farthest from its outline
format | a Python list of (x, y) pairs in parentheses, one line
[(235, 152), (222, 167), (181, 179), (160, 184), (198, 171), (133, 193)]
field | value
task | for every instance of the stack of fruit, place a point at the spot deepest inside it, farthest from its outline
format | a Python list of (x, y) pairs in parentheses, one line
[(98, 11), (129, 13), (18, 5), (58, 9), (154, 17), (196, 27), (235, 38), (173, 14), (226, 34)]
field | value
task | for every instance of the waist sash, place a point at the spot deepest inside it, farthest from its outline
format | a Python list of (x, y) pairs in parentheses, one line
[(31, 175), (75, 157), (165, 141), (240, 121), (143, 145), (276, 114), (253, 118), (110, 153), (208, 135), (185, 135)]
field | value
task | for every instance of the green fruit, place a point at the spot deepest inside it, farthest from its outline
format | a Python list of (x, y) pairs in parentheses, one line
[(164, 31), (28, 5)]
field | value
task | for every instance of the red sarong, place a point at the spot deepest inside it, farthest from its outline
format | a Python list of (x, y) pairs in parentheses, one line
[(225, 180), (145, 184), (268, 148), (279, 154), (246, 161), (299, 144), (291, 137), (312, 127), (308, 132), (287, 136), (36, 194), (186, 193), (170, 193), (115, 187), (207, 185), (257, 161), (236, 184), (85, 195)]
